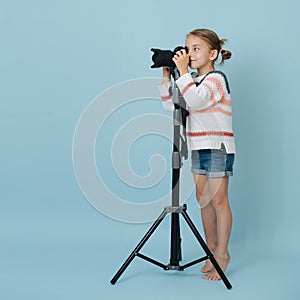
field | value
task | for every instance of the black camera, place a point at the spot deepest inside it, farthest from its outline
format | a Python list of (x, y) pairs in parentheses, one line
[(163, 58)]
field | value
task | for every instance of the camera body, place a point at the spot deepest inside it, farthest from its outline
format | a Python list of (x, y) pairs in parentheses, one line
[(163, 58)]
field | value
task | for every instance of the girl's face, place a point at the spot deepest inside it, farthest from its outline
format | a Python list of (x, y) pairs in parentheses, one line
[(201, 56)]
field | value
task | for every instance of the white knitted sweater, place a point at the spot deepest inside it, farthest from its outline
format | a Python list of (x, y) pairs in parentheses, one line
[(209, 123)]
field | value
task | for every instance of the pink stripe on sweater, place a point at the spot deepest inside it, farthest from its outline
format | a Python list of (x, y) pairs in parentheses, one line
[(165, 98), (212, 98), (187, 87), (211, 109), (225, 102), (205, 133), (218, 85)]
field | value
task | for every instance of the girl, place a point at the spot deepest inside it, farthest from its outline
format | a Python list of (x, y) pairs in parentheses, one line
[(210, 136)]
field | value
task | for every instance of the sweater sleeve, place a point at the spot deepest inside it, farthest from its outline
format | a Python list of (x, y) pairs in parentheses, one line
[(164, 90), (208, 93)]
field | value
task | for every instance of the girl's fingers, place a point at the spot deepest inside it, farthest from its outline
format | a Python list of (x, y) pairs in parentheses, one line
[(181, 53)]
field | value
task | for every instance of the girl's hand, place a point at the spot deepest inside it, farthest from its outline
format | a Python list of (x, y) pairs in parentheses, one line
[(181, 60), (166, 74)]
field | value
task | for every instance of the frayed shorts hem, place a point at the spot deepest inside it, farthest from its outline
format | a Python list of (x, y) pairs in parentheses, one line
[(212, 174)]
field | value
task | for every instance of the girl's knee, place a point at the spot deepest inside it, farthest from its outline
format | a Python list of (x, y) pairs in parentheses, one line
[(219, 201), (203, 199)]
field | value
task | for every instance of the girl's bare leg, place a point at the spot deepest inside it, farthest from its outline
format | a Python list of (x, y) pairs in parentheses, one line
[(219, 190), (209, 221), (208, 216)]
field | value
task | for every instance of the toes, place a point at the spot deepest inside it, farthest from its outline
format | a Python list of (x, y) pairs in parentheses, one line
[(205, 269), (207, 276), (212, 276), (215, 277), (208, 267)]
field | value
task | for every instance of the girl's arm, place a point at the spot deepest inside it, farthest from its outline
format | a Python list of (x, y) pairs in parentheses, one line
[(164, 90)]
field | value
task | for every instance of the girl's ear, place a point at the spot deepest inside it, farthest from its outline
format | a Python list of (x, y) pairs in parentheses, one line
[(214, 54)]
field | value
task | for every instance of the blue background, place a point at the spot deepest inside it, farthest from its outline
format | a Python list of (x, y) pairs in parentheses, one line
[(55, 57)]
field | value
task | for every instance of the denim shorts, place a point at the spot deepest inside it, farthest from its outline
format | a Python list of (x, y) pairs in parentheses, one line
[(213, 163)]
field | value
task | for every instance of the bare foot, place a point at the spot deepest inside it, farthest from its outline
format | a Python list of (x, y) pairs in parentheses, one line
[(223, 261), (207, 267)]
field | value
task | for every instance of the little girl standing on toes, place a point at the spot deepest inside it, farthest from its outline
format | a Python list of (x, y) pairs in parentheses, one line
[(210, 135)]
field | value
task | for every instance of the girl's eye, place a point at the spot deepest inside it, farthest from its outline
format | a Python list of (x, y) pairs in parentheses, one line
[(196, 49)]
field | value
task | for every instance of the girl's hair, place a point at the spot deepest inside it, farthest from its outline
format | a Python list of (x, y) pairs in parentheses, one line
[(213, 41)]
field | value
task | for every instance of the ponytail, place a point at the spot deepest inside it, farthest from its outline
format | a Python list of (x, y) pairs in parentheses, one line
[(226, 54)]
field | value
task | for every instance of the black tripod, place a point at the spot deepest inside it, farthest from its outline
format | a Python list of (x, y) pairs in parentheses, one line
[(179, 151)]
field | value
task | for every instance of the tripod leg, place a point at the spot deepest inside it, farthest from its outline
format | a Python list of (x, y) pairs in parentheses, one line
[(175, 240), (139, 247), (206, 249)]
